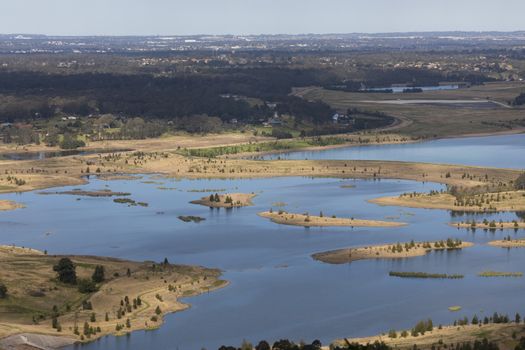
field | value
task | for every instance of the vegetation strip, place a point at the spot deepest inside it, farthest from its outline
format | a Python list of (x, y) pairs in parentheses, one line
[(424, 275), (500, 274), (191, 218)]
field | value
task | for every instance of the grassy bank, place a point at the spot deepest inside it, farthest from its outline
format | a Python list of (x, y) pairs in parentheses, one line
[(130, 296), (296, 144), (389, 251)]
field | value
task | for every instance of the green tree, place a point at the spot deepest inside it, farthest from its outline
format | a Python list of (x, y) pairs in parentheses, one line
[(86, 286), (3, 291), (98, 274), (66, 271), (246, 345), (263, 345), (519, 184)]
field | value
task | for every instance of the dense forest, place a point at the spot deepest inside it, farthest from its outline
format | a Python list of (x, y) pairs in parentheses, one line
[(162, 97)]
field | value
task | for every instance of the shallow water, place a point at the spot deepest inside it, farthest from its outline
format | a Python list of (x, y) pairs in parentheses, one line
[(505, 151), (277, 290), (400, 89)]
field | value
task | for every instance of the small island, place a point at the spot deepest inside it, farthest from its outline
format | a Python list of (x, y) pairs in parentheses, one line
[(484, 202), (6, 205), (227, 200), (489, 225), (306, 220), (87, 193), (507, 242), (389, 251)]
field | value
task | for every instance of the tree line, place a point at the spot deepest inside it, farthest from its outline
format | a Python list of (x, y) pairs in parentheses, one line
[(162, 97)]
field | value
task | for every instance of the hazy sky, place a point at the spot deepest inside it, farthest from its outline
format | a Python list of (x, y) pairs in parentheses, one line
[(135, 17)]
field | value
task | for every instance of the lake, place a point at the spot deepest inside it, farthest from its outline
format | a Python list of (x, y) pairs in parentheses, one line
[(505, 151), (401, 89), (277, 290)]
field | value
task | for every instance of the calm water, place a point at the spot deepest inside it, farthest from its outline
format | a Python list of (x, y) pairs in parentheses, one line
[(277, 290), (400, 89), (506, 151)]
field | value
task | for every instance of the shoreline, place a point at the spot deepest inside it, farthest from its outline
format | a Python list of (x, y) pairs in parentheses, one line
[(489, 225), (294, 219), (226, 200), (7, 205), (512, 202), (157, 297), (387, 251), (217, 140), (159, 156), (449, 334), (513, 243), (254, 155), (70, 171), (516, 131)]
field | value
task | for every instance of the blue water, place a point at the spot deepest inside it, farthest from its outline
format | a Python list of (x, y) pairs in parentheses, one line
[(400, 89), (505, 151), (277, 290)]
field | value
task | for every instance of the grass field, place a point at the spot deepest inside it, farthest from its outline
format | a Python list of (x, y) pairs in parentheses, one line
[(438, 120), (33, 292)]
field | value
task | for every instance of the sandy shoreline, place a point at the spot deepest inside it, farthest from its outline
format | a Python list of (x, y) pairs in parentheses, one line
[(294, 219), (511, 201), (6, 205), (72, 170), (28, 271), (227, 200), (385, 251), (501, 333), (489, 226), (513, 243)]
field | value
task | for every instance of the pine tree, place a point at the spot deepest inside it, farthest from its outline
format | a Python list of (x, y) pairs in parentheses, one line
[(98, 275)]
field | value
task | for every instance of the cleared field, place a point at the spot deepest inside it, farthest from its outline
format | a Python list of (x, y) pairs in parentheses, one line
[(476, 110)]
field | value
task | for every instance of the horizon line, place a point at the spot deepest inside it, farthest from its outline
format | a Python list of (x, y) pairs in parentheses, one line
[(269, 34)]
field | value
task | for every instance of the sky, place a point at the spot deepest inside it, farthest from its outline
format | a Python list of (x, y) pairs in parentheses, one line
[(177, 17)]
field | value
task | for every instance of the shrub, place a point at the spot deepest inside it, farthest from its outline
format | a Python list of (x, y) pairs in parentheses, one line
[(3, 291), (519, 184), (98, 275), (86, 286)]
